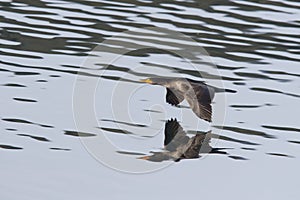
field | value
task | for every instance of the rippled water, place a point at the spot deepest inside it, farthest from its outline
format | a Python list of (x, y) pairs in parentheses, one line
[(45, 44)]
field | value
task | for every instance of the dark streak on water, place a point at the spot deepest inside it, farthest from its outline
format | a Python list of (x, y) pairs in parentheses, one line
[(281, 128), (280, 73), (42, 81), (274, 91), (39, 138), (11, 129), (14, 85), (248, 149), (249, 106), (54, 76), (78, 134), (239, 83), (294, 141), (22, 121), (125, 123), (3, 146), (280, 155), (131, 153), (26, 73), (59, 149), (25, 100), (245, 106), (115, 130), (225, 138), (238, 158), (258, 76), (246, 131), (153, 111)]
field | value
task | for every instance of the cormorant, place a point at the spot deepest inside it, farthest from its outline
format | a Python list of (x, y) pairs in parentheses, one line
[(198, 94)]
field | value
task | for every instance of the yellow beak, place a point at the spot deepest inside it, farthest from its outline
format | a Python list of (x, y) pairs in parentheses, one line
[(148, 80)]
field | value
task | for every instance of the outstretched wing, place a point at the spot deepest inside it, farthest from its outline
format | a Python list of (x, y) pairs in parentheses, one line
[(199, 98), (194, 146), (174, 135), (174, 97)]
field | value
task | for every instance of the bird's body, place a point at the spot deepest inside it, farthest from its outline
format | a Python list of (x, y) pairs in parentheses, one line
[(198, 95), (177, 145)]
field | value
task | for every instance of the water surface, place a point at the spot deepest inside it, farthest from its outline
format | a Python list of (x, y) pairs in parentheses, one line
[(253, 44)]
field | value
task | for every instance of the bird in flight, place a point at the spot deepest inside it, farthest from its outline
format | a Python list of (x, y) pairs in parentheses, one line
[(198, 95)]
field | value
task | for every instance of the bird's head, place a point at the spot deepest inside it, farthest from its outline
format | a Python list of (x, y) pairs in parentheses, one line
[(156, 81)]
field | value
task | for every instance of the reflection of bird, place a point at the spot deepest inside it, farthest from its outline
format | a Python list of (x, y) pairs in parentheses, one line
[(177, 145), (198, 94)]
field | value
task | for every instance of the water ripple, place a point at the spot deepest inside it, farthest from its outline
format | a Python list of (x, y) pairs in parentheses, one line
[(253, 44)]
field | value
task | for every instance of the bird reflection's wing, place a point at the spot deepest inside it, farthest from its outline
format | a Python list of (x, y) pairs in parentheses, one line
[(174, 97), (194, 146), (200, 143), (174, 135), (199, 98)]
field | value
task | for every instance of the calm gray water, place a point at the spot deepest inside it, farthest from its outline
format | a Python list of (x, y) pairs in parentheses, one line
[(254, 45)]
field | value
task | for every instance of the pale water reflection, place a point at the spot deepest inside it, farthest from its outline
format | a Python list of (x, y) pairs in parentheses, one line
[(253, 44)]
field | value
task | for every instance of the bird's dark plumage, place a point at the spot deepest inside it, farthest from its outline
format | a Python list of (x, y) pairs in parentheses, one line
[(198, 95), (177, 145), (174, 97), (174, 135)]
